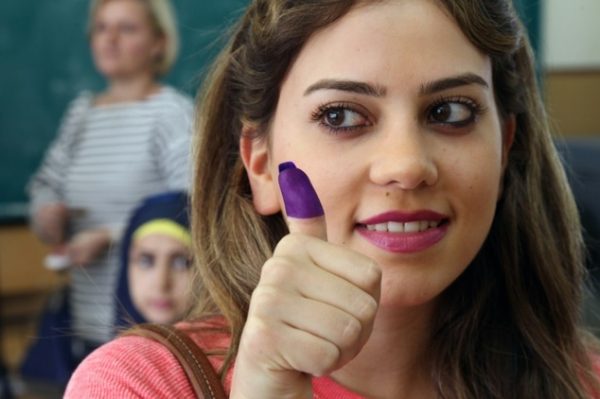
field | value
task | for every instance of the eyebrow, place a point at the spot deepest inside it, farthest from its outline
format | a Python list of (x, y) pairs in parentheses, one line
[(465, 79), (347, 85), (435, 86)]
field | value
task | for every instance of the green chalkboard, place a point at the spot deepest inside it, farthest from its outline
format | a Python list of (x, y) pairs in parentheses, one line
[(530, 12), (45, 62)]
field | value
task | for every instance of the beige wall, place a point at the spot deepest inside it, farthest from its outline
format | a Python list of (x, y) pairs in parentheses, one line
[(570, 47), (573, 101)]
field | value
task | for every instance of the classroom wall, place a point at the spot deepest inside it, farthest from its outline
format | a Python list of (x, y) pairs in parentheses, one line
[(572, 99), (571, 34), (571, 58)]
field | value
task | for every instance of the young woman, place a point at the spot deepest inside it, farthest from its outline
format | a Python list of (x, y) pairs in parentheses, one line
[(113, 149), (439, 255)]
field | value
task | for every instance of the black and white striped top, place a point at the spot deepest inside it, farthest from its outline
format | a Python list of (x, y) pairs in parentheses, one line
[(103, 162)]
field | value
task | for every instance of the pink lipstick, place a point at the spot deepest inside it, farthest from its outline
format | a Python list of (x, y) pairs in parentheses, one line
[(404, 232)]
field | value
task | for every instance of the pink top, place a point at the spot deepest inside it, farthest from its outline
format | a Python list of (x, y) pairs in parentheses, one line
[(137, 367)]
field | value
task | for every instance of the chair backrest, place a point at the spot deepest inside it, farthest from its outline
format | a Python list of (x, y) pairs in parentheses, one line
[(49, 358), (581, 158)]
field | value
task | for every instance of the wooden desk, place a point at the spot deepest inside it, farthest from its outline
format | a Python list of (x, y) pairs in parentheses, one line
[(24, 286)]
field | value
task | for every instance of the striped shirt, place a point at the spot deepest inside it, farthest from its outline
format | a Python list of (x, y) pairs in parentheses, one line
[(103, 162)]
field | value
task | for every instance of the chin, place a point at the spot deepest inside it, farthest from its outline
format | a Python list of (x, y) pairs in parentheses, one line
[(414, 293), (109, 70), (166, 320), (160, 319)]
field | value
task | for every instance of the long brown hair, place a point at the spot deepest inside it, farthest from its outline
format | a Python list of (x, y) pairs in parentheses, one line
[(507, 328)]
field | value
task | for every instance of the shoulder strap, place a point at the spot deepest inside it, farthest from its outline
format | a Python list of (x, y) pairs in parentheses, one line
[(198, 369)]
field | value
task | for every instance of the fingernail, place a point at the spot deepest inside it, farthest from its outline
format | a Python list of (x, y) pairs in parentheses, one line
[(299, 196)]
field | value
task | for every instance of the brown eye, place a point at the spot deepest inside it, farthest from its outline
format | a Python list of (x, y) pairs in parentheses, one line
[(441, 113), (342, 118), (455, 113), (335, 117)]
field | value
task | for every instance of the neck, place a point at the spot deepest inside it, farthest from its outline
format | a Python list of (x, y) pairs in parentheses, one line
[(398, 347), (130, 89)]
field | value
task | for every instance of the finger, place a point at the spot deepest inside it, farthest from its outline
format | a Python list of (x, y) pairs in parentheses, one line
[(321, 261), (76, 249), (347, 330), (73, 255), (302, 205), (280, 346), (355, 294)]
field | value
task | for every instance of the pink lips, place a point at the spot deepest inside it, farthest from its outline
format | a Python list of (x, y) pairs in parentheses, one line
[(161, 304), (405, 242)]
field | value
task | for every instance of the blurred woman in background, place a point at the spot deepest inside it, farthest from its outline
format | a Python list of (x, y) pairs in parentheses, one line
[(113, 149)]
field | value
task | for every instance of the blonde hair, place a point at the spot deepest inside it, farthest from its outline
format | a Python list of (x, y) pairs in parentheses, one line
[(508, 326), (163, 19)]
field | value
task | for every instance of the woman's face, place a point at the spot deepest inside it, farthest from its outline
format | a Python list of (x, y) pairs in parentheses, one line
[(159, 277), (124, 42), (390, 111)]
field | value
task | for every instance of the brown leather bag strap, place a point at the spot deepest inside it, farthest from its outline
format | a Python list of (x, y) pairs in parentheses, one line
[(202, 375)]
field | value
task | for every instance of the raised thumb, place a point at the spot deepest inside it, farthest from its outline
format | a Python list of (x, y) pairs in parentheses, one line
[(302, 206)]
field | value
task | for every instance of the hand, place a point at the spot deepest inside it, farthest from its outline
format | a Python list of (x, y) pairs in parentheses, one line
[(86, 246), (311, 313), (50, 223)]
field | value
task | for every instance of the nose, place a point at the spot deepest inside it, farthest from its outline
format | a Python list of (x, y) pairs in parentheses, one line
[(113, 34), (110, 33), (162, 276), (403, 159)]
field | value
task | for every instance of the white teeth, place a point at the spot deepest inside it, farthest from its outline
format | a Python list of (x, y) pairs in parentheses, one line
[(396, 227), (381, 227), (411, 227), (399, 227)]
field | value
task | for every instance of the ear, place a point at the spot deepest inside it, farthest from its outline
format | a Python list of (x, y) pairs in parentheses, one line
[(508, 137), (254, 151)]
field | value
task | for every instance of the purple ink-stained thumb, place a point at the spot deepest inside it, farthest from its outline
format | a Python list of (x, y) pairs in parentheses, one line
[(300, 198)]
